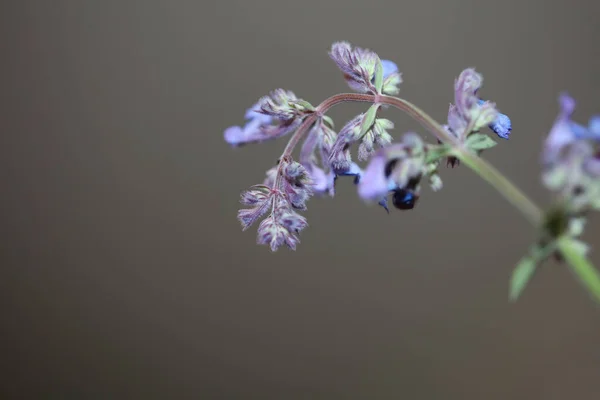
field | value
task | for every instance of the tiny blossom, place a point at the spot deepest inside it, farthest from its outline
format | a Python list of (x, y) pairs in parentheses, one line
[(259, 128), (291, 192), (377, 135), (284, 105), (260, 198), (359, 66), (392, 78), (389, 68), (501, 126), (469, 113), (339, 157), (281, 226), (297, 184)]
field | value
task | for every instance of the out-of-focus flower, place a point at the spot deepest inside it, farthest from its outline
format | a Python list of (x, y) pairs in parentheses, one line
[(571, 160), (399, 168)]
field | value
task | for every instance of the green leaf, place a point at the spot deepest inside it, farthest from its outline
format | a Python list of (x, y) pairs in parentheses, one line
[(480, 141), (368, 119), (303, 105), (520, 276), (378, 75), (526, 267), (585, 271), (328, 121), (437, 151)]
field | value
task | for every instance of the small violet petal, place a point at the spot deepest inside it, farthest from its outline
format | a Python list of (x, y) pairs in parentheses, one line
[(374, 184), (389, 67)]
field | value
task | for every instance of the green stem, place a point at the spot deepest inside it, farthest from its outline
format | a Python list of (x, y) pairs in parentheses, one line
[(471, 160), (581, 266)]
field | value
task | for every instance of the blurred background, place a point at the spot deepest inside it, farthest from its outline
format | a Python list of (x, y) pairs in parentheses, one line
[(125, 274)]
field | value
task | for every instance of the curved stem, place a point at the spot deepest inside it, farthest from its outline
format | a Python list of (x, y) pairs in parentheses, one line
[(471, 160), (581, 266)]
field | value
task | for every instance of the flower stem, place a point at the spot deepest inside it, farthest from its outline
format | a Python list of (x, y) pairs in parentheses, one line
[(471, 160), (580, 265)]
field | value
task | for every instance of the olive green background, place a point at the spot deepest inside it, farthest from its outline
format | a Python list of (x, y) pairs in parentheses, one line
[(125, 274)]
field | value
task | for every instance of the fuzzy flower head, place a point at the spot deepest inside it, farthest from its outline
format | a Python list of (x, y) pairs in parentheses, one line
[(469, 113), (571, 159), (365, 128), (399, 168), (281, 199), (364, 71), (272, 117)]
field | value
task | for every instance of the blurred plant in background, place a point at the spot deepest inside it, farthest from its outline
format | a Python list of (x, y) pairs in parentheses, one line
[(570, 160)]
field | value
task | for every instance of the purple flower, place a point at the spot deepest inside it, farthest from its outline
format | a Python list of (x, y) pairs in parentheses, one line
[(284, 105), (571, 159), (272, 117), (340, 158), (252, 131), (564, 131), (469, 113), (281, 227), (389, 67), (359, 66), (291, 193)]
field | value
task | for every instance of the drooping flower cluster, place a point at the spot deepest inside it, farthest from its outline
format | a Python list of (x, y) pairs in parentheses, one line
[(281, 198), (326, 155)]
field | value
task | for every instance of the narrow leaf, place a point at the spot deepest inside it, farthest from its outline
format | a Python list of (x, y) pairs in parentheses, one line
[(437, 151), (378, 75), (520, 276), (585, 271), (328, 121), (480, 141), (368, 119), (526, 267)]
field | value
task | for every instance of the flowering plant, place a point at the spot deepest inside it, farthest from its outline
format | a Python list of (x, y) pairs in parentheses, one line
[(570, 160)]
